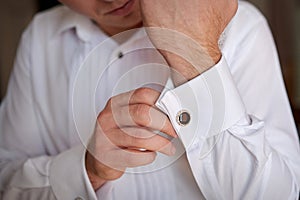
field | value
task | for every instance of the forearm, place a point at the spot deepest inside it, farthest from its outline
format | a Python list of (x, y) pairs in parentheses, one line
[(229, 151)]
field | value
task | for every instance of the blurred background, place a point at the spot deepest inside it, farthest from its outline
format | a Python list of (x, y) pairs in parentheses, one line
[(283, 17)]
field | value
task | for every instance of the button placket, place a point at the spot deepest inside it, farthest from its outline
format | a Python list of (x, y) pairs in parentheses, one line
[(120, 54)]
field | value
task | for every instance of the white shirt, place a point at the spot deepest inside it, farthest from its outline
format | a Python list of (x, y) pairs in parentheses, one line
[(241, 142)]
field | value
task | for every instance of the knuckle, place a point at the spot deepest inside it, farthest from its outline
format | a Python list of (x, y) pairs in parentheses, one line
[(112, 103), (104, 119), (142, 93), (104, 114), (146, 94), (142, 109), (141, 114), (109, 102)]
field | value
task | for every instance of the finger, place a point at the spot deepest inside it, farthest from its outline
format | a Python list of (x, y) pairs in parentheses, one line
[(143, 95), (138, 132), (144, 116), (151, 118), (139, 96), (119, 158), (142, 142)]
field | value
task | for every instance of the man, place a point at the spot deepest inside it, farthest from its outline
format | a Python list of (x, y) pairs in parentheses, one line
[(220, 129)]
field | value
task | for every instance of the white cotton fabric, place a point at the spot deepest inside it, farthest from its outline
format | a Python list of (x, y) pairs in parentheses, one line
[(241, 142)]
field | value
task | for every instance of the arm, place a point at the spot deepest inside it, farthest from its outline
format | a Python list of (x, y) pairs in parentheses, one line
[(46, 170), (241, 142)]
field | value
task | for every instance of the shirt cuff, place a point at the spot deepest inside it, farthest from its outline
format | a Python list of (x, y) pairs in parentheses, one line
[(68, 177), (211, 100)]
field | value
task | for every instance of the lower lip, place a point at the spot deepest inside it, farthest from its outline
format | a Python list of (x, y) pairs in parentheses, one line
[(124, 10)]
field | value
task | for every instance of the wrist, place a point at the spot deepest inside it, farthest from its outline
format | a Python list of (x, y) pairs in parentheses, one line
[(96, 181), (214, 53), (186, 67)]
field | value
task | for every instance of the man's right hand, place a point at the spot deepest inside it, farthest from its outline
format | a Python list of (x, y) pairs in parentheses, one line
[(124, 136)]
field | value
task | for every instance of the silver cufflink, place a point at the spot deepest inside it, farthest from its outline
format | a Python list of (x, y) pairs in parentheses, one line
[(183, 118)]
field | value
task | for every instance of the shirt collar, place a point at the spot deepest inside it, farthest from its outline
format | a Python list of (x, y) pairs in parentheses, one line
[(86, 30), (84, 27)]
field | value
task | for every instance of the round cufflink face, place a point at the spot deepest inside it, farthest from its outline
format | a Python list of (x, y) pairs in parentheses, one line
[(183, 118)]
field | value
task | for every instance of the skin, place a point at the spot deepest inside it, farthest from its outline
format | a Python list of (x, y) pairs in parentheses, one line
[(126, 124), (199, 24), (97, 10)]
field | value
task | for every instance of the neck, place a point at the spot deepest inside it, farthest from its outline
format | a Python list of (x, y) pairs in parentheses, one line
[(111, 31)]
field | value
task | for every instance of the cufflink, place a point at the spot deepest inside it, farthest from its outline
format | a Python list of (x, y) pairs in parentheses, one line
[(183, 118)]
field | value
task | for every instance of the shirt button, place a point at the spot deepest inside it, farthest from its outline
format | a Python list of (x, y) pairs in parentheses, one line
[(78, 198), (120, 55), (183, 118)]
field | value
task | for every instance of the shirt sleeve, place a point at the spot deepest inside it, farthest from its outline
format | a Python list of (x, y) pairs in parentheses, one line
[(241, 141), (27, 171)]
